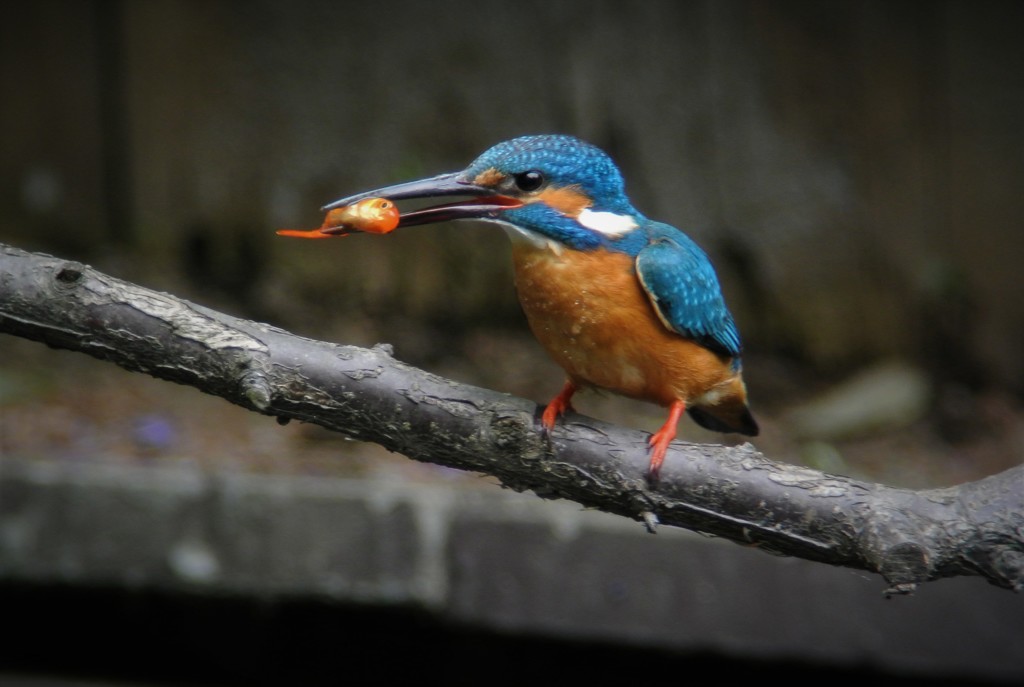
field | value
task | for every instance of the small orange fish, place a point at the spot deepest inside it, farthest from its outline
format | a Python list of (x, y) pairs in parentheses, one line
[(370, 215)]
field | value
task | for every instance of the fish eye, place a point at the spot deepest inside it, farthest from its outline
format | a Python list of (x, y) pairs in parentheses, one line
[(529, 181)]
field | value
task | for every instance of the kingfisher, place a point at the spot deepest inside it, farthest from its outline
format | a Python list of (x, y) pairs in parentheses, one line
[(621, 302)]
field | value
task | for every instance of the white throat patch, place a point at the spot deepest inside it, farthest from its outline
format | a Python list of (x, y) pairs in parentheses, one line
[(534, 239), (607, 223)]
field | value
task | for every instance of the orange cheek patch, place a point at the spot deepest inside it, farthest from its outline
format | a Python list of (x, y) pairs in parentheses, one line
[(489, 178), (568, 200)]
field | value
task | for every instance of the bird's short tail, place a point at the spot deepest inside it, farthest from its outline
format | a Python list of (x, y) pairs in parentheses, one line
[(729, 413), (739, 420)]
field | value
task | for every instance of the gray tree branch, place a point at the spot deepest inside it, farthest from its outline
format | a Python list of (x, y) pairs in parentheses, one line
[(907, 536)]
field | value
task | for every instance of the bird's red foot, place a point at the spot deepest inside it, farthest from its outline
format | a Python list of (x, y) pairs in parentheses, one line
[(558, 406), (660, 440)]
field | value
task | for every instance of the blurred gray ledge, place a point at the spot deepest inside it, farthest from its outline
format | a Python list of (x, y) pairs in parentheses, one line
[(490, 558)]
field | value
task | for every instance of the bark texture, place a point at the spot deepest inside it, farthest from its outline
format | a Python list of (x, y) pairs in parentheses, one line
[(907, 536)]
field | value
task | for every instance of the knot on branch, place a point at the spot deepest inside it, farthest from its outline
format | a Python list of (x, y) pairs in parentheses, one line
[(903, 566), (515, 436), (69, 276), (256, 388), (1009, 566), (1001, 560)]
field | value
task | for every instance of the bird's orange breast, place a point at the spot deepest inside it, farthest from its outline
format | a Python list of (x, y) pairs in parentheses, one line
[(589, 310)]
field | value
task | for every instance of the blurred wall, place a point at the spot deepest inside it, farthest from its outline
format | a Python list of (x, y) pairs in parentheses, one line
[(855, 169)]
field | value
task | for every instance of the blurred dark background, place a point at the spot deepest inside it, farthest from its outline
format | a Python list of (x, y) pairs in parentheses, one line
[(855, 170)]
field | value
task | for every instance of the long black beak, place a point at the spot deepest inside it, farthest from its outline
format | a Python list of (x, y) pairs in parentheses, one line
[(483, 203)]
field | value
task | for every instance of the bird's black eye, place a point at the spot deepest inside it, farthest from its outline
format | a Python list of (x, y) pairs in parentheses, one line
[(529, 181)]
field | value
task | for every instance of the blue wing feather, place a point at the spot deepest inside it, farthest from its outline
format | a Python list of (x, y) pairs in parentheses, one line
[(682, 285)]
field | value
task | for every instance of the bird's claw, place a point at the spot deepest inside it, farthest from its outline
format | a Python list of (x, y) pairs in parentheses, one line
[(559, 406)]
